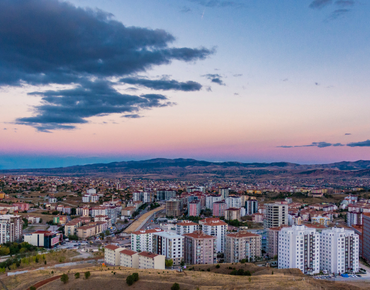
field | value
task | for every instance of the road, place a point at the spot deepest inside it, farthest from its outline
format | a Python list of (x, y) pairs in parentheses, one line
[(141, 220)]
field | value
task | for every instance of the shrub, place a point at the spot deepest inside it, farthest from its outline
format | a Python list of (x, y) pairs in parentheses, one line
[(64, 278), (234, 272), (77, 275), (130, 280), (32, 288), (217, 266), (272, 273), (247, 273), (135, 276), (243, 261), (87, 274), (208, 269), (240, 272), (175, 286)]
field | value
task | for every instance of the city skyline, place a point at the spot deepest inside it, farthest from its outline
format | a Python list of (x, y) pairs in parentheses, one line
[(246, 81)]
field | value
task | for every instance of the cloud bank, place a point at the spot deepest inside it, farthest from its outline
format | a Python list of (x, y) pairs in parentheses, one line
[(52, 42)]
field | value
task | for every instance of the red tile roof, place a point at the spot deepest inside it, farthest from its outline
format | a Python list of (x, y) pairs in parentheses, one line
[(128, 252), (199, 235), (242, 234), (148, 255), (111, 247), (151, 231)]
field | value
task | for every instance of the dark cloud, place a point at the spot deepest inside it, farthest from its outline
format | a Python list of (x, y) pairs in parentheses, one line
[(338, 13), (345, 3), (314, 144), (64, 108), (51, 42), (347, 134), (360, 144), (218, 3), (237, 75), (318, 4), (215, 78), (163, 84), (132, 116)]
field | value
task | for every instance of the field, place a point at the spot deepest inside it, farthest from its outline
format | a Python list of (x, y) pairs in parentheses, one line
[(103, 278)]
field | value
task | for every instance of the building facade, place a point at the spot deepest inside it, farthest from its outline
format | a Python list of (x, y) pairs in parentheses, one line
[(170, 245), (142, 240), (186, 227), (200, 248), (299, 247), (242, 245), (276, 215), (11, 228), (217, 228)]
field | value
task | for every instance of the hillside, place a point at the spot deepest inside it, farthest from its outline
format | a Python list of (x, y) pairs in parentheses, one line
[(162, 168)]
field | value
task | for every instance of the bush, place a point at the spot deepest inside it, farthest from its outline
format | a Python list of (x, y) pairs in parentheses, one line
[(217, 266), (130, 280), (32, 288), (243, 261), (247, 273), (87, 274), (135, 276), (175, 286), (209, 269), (77, 275), (64, 278), (240, 272)]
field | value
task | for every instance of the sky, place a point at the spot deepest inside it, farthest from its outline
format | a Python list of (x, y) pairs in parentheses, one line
[(219, 80)]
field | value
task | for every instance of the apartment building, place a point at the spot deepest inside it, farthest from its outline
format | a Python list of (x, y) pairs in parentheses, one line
[(217, 228), (99, 210), (44, 239), (170, 245), (366, 237), (173, 207), (233, 202), (149, 260), (11, 228), (354, 218), (299, 247), (200, 248), (112, 255), (129, 258), (339, 251), (232, 214), (251, 206), (166, 194), (219, 208), (272, 235), (211, 199), (186, 227), (242, 245), (142, 240), (276, 215), (194, 208)]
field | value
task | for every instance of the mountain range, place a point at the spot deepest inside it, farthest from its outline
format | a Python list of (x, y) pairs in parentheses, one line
[(162, 168)]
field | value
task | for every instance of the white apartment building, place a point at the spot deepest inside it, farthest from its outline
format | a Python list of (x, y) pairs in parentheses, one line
[(276, 215), (142, 240), (211, 199), (147, 197), (186, 227), (299, 247), (11, 228), (217, 228), (233, 202), (170, 245), (99, 210), (151, 261), (129, 259), (339, 251), (137, 196), (112, 255)]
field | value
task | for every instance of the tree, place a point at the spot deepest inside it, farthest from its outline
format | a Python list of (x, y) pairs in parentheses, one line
[(77, 275), (64, 278), (182, 264), (130, 280), (169, 263), (73, 211), (87, 274), (32, 288), (175, 286), (135, 276)]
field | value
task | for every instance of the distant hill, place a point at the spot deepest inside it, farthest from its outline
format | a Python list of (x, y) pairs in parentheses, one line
[(162, 168)]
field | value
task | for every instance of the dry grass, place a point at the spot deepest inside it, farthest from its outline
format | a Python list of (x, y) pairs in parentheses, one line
[(103, 278)]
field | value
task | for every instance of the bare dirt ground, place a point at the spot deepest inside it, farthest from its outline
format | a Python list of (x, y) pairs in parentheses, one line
[(104, 278), (133, 227)]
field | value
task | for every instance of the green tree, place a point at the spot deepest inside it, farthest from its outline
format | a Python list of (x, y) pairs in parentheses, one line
[(169, 263), (32, 288), (87, 274), (130, 280), (77, 275), (64, 278), (135, 276), (175, 286)]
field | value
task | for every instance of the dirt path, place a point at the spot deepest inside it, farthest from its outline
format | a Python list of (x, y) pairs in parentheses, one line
[(43, 282), (136, 224)]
